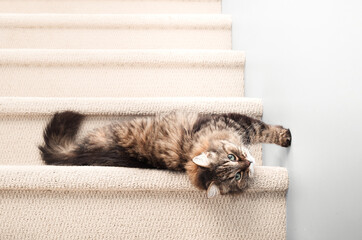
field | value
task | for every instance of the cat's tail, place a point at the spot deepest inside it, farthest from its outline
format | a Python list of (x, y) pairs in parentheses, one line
[(61, 147), (59, 138)]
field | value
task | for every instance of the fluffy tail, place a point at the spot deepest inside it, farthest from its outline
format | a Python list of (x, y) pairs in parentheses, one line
[(59, 138), (60, 146)]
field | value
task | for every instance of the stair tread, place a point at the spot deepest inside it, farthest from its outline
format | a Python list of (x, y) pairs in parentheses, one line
[(111, 6), (23, 119), (193, 21), (132, 57), (88, 178), (46, 202), (121, 73), (130, 106)]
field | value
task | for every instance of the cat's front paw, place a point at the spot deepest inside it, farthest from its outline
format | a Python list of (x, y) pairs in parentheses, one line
[(285, 138)]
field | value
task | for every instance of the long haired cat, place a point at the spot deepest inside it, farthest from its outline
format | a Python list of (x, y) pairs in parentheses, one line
[(212, 149)]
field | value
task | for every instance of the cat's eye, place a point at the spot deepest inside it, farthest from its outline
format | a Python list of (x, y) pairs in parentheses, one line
[(231, 157), (238, 176)]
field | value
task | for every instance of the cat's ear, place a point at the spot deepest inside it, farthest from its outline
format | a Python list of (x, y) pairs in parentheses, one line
[(213, 190), (202, 160)]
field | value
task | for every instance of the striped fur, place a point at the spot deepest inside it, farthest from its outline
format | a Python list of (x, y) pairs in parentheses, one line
[(201, 145)]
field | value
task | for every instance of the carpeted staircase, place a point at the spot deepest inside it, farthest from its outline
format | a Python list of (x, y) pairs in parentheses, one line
[(112, 60)]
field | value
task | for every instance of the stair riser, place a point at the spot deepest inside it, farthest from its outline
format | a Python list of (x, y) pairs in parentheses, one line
[(115, 31), (141, 215), (22, 122), (121, 73), (111, 6)]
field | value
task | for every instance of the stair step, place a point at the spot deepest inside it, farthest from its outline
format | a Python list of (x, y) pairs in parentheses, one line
[(121, 73), (112, 31), (111, 6), (94, 178), (104, 202), (23, 119)]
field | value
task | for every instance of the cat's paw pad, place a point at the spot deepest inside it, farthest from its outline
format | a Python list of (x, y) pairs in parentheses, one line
[(285, 138)]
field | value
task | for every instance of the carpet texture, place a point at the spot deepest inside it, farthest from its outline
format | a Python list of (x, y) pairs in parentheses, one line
[(117, 60), (111, 6), (121, 73), (121, 203), (23, 119), (115, 31)]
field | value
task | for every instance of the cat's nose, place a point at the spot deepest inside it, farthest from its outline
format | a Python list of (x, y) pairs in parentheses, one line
[(248, 163)]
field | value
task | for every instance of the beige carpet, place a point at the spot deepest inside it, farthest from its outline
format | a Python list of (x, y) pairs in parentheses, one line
[(111, 6), (87, 31), (121, 203), (121, 73), (115, 60)]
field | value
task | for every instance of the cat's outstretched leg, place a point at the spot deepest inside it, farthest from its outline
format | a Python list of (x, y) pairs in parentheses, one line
[(256, 131), (277, 135)]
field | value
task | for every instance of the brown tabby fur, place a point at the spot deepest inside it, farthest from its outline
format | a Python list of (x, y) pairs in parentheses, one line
[(170, 141)]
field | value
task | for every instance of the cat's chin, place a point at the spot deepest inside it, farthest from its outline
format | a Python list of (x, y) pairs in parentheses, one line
[(244, 185)]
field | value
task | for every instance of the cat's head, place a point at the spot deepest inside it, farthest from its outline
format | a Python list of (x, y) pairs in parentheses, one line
[(223, 168)]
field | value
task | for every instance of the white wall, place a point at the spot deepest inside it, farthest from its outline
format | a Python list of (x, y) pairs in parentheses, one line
[(304, 58)]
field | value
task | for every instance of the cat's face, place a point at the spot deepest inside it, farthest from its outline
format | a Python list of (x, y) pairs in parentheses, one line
[(224, 168)]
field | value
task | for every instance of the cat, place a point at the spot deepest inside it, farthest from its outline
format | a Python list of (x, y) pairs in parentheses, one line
[(212, 149)]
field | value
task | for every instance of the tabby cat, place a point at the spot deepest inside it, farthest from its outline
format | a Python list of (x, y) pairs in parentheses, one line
[(212, 149)]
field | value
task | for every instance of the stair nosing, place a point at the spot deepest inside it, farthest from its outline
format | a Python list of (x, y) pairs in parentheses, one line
[(138, 21)]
